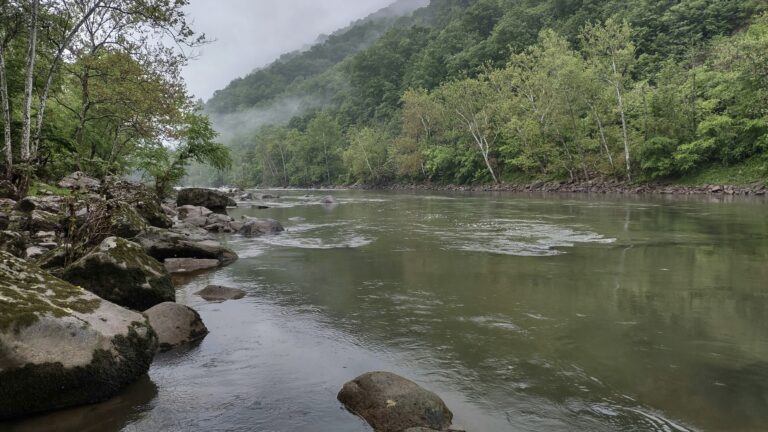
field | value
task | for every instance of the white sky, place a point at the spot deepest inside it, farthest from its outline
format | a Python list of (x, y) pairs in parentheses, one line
[(253, 33)]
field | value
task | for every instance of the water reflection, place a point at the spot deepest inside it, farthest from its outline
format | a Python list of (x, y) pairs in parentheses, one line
[(524, 312)]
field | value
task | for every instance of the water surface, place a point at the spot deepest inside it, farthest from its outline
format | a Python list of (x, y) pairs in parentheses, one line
[(524, 312)]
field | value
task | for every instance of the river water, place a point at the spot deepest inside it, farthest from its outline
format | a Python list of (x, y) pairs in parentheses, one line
[(524, 312)]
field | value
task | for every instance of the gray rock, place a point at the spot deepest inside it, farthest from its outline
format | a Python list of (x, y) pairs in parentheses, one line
[(125, 221), (61, 345), (120, 271), (220, 293), (328, 199), (50, 204), (34, 252), (208, 198), (189, 211), (79, 181), (259, 227), (175, 325), (391, 403), (189, 265), (181, 242)]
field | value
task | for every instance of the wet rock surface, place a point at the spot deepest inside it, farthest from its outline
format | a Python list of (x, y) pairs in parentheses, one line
[(62, 346), (175, 325), (220, 293), (391, 403)]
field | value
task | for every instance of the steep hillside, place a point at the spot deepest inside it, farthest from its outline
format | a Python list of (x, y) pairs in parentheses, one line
[(466, 91)]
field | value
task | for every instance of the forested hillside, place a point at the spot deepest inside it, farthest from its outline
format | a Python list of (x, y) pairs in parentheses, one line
[(476, 91)]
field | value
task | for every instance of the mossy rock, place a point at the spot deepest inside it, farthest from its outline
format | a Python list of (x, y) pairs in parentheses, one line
[(14, 243), (208, 198), (126, 222), (120, 271), (62, 346)]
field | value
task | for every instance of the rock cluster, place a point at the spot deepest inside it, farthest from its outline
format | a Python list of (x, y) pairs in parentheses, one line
[(80, 337)]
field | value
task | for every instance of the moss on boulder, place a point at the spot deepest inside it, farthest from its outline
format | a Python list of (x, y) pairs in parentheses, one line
[(62, 346), (120, 271)]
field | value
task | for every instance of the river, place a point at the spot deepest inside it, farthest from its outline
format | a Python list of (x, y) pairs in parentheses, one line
[(524, 312)]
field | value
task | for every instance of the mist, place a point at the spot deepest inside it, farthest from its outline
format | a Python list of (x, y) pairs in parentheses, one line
[(249, 34)]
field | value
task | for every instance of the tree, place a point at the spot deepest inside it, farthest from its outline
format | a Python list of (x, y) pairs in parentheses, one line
[(610, 49), (195, 142)]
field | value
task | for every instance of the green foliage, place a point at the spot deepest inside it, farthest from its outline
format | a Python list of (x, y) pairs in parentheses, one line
[(469, 91)]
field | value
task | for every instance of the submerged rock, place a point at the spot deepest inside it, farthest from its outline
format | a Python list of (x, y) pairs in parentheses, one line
[(175, 325), (120, 271), (328, 199), (220, 293), (258, 227), (208, 198), (184, 243), (189, 265), (391, 403), (62, 346)]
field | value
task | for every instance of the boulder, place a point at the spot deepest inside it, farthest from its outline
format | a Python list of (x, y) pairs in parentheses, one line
[(120, 271), (34, 252), (41, 220), (78, 181), (220, 293), (61, 346), (142, 199), (50, 204), (391, 403), (175, 325), (189, 265), (14, 243), (125, 221), (189, 211), (169, 210), (8, 190), (7, 205), (182, 242), (208, 198), (328, 199), (258, 227)]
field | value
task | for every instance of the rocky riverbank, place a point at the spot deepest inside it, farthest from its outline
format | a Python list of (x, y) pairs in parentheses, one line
[(591, 187), (86, 294)]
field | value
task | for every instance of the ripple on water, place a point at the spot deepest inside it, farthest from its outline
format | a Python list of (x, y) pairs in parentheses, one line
[(337, 235), (519, 237)]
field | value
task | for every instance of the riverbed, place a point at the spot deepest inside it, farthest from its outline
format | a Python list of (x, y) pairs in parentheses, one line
[(524, 312)]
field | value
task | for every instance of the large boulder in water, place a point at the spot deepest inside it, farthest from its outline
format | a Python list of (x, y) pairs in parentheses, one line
[(391, 403), (176, 325), (62, 346), (253, 227), (184, 243), (208, 198), (120, 271)]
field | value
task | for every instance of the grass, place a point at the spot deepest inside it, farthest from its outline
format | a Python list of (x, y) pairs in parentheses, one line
[(751, 171), (39, 188)]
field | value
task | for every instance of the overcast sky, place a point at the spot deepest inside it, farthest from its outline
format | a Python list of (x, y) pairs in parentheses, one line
[(253, 33)]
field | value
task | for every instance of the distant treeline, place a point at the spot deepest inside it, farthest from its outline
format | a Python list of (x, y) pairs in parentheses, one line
[(490, 90)]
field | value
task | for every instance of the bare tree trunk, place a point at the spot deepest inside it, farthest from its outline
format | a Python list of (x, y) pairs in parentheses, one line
[(6, 118), (620, 101), (29, 83), (602, 137), (482, 142), (52, 71), (325, 153)]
